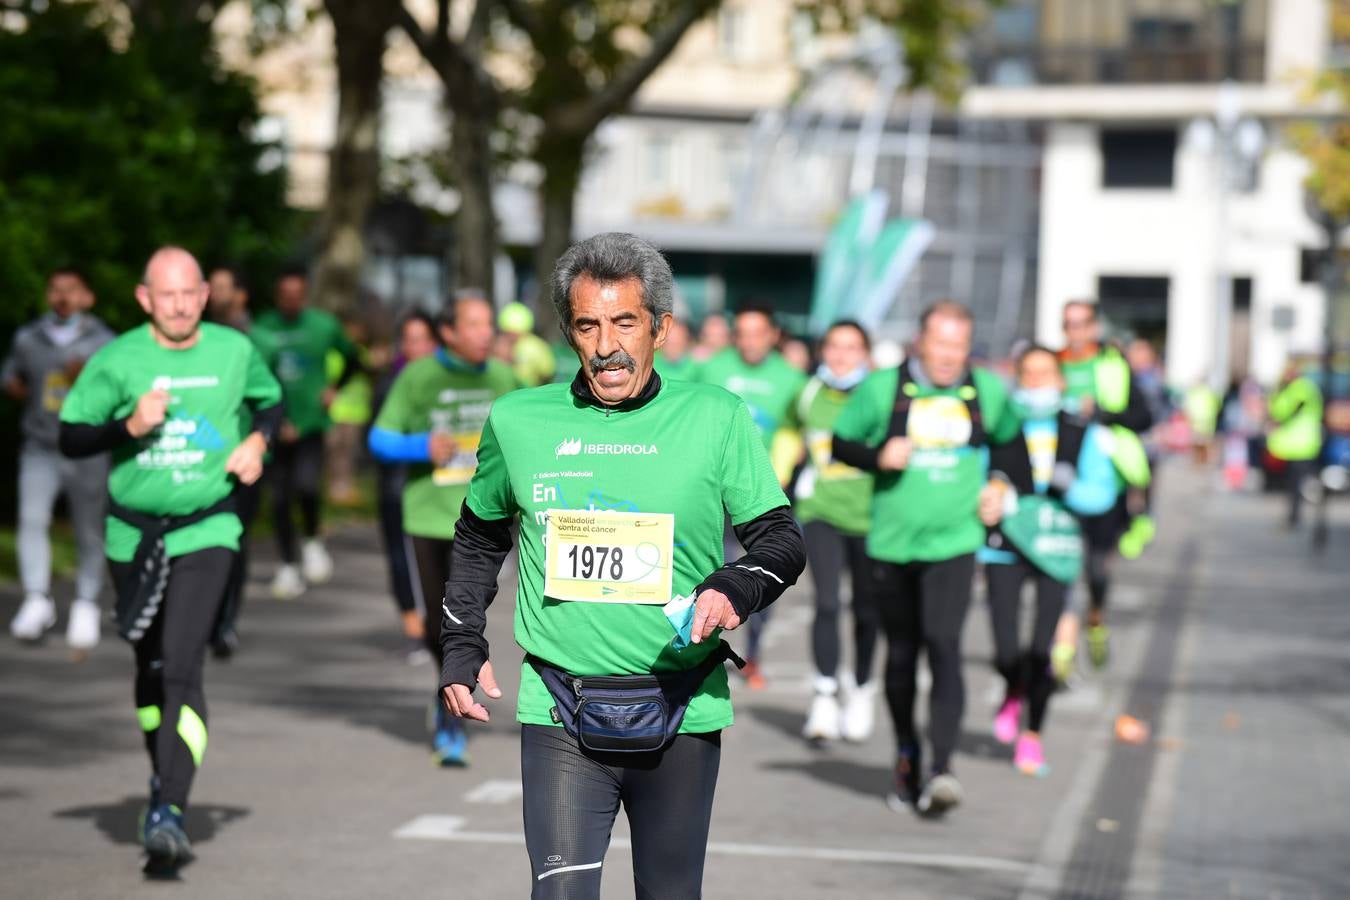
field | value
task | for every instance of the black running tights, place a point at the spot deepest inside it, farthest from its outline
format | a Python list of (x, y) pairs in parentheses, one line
[(1026, 672), (572, 797), (296, 470), (827, 550), (168, 688), (924, 606)]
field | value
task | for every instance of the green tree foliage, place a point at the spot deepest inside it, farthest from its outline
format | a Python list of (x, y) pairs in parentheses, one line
[(114, 141)]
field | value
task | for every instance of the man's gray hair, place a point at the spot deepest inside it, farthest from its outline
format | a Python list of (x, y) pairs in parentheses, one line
[(610, 257)]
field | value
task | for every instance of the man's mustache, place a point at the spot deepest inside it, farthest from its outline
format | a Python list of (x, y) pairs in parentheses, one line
[(617, 358)]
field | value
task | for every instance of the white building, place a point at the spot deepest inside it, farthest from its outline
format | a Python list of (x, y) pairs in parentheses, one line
[(1131, 210)]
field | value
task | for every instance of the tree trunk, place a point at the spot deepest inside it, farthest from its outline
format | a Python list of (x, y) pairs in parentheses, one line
[(359, 32), (471, 163), (562, 163)]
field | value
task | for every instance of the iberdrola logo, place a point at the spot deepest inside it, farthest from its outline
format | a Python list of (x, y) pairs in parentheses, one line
[(568, 447)]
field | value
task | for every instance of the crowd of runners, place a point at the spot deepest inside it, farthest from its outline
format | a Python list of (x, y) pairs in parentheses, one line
[(663, 484)]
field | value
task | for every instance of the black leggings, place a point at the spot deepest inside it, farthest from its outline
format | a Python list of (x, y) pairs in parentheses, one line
[(433, 571), (168, 688), (1101, 536), (395, 541), (924, 604), (827, 549), (1027, 673), (296, 469), (572, 798)]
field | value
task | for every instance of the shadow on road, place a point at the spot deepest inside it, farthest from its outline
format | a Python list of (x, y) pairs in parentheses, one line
[(866, 780), (974, 743), (119, 821)]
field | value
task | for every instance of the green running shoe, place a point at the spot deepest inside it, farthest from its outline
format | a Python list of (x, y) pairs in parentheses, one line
[(1062, 656), (1099, 645)]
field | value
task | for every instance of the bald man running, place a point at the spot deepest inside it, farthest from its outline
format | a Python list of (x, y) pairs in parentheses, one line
[(168, 399)]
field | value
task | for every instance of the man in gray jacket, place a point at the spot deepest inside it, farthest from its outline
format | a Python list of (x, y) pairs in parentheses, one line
[(42, 364)]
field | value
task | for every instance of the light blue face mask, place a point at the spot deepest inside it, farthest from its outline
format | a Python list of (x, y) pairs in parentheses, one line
[(847, 382), (1037, 403)]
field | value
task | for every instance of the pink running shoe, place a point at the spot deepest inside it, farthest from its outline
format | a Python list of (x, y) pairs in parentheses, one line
[(1029, 758), (1008, 722)]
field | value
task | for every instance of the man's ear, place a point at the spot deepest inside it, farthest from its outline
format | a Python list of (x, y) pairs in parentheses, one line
[(663, 330)]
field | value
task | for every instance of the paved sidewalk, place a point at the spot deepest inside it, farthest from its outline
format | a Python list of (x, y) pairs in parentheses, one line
[(1228, 637)]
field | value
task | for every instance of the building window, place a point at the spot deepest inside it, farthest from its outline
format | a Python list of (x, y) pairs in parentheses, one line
[(732, 34), (1138, 158), (659, 160), (1134, 305)]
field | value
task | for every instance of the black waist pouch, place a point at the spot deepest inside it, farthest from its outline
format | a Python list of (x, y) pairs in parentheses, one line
[(138, 601), (626, 713)]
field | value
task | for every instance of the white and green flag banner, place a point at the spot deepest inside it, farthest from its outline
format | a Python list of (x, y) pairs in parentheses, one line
[(865, 262)]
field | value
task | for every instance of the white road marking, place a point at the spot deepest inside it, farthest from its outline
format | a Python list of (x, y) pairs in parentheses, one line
[(496, 790), (447, 828)]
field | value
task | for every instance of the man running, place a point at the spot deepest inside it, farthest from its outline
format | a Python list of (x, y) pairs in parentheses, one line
[(833, 501), (229, 299), (1296, 432), (629, 479), (43, 362), (416, 339), (922, 428), (170, 400), (757, 373), (1058, 468), (1099, 386), (228, 306), (295, 340), (433, 422)]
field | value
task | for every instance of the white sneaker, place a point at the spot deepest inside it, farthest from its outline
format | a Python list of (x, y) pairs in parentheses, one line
[(859, 712), (35, 616), (822, 723), (287, 583), (82, 626), (315, 561)]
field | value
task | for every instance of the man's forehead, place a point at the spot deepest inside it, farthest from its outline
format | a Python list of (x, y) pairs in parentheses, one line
[(593, 297)]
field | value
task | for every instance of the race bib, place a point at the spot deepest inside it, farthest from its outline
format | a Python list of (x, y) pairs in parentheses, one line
[(460, 467), (939, 423), (608, 557), (820, 445), (54, 389)]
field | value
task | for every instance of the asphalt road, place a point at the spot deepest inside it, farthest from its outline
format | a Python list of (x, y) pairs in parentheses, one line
[(1229, 640)]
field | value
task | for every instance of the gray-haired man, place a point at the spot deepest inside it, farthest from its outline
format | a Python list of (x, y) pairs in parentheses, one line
[(45, 358), (620, 483)]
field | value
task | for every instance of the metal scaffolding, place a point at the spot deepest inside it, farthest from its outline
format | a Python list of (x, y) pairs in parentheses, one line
[(853, 128)]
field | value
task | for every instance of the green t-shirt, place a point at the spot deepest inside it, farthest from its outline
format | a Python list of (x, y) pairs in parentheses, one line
[(179, 467), (691, 451), (827, 490), (769, 389), (1080, 379), (685, 368), (296, 350), (437, 394), (928, 512)]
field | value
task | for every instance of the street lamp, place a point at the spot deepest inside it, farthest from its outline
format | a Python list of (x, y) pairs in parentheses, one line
[(1236, 143)]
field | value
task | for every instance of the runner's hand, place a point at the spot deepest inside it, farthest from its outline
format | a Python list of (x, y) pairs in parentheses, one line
[(288, 433), (712, 611), (149, 413), (441, 448), (894, 455), (991, 503), (328, 396), (459, 697), (246, 461)]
